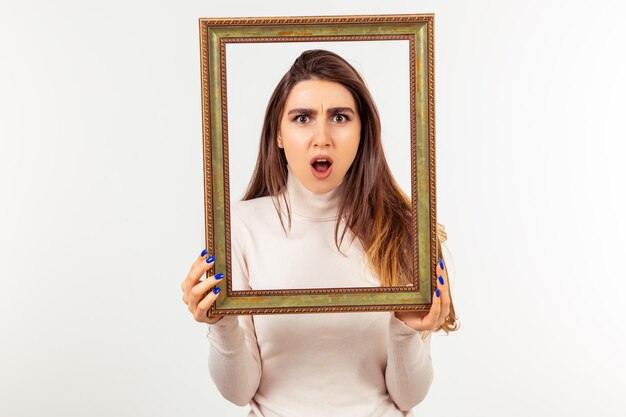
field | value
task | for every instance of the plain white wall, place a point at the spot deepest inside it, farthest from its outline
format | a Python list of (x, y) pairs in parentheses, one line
[(388, 85), (101, 205)]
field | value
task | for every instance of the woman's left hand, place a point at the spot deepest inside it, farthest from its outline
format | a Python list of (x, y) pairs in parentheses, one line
[(440, 308)]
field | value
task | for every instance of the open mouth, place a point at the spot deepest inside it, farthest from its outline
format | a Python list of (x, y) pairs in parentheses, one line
[(321, 166)]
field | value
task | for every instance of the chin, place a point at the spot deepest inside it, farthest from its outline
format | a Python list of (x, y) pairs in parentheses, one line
[(321, 186), (329, 186)]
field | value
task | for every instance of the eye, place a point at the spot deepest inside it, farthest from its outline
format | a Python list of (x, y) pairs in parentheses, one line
[(301, 118), (341, 118)]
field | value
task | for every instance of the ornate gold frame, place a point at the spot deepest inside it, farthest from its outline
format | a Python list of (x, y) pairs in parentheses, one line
[(215, 33)]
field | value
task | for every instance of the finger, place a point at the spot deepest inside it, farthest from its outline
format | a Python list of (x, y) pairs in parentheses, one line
[(411, 319), (204, 255), (441, 269), (430, 321), (186, 284), (444, 293), (199, 267), (198, 292), (444, 288), (199, 289), (201, 312)]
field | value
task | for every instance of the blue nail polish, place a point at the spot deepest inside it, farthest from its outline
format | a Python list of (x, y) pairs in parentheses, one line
[(210, 259), (440, 279), (216, 290), (440, 263), (219, 276), (203, 252), (437, 292)]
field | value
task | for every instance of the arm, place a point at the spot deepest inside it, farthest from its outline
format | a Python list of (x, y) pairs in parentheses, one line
[(234, 359), (409, 372), (234, 362)]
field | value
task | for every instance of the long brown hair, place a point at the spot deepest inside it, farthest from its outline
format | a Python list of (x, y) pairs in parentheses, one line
[(373, 206)]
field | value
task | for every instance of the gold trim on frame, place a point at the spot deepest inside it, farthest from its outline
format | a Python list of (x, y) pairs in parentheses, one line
[(418, 29)]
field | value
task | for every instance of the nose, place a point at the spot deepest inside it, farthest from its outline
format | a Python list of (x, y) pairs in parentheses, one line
[(322, 136)]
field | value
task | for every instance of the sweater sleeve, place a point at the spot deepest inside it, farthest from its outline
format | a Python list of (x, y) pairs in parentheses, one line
[(409, 371), (234, 359)]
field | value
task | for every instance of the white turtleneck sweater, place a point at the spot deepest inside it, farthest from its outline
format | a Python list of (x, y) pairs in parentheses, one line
[(320, 364)]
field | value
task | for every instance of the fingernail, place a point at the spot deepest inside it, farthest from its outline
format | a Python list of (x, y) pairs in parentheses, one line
[(440, 263), (203, 252), (440, 279), (219, 276), (437, 292), (210, 259), (216, 290)]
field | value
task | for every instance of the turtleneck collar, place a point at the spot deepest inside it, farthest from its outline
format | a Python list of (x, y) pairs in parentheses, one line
[(310, 205)]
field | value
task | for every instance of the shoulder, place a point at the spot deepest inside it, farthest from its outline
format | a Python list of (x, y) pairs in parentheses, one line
[(249, 212), (250, 219), (247, 208)]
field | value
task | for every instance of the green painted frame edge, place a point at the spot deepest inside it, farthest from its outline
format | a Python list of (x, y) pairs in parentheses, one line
[(213, 32)]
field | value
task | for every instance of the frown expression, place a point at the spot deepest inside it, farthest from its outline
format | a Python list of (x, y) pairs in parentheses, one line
[(320, 119)]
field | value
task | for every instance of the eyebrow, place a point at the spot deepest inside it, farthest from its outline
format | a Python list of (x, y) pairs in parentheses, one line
[(314, 112)]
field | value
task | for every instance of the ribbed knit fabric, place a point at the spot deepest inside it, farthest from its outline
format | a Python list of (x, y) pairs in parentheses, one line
[(321, 364)]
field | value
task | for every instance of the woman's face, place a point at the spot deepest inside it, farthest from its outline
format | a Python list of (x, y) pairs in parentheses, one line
[(320, 120)]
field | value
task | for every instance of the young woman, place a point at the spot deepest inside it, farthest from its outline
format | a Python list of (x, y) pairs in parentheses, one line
[(321, 176)]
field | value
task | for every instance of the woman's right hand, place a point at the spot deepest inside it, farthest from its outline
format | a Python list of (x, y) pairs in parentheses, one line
[(200, 295)]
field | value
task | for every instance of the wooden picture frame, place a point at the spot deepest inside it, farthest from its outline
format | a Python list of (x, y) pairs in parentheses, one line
[(414, 30)]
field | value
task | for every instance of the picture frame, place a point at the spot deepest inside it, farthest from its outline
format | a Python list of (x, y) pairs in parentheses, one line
[(220, 41)]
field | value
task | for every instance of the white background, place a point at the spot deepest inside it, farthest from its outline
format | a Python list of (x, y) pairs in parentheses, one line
[(102, 206), (250, 70)]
